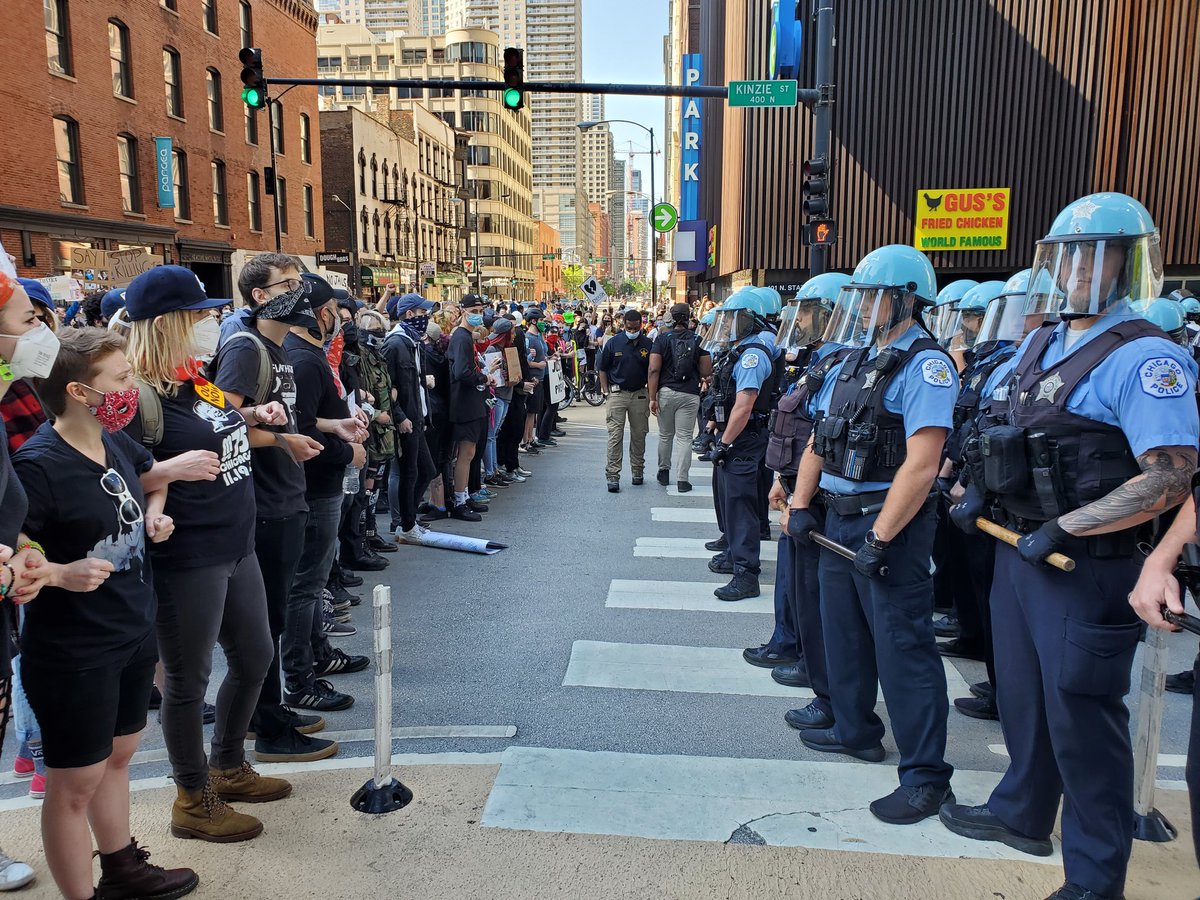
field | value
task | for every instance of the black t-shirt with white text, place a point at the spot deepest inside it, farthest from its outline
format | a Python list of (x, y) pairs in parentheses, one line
[(213, 519), (317, 397), (74, 517), (278, 479)]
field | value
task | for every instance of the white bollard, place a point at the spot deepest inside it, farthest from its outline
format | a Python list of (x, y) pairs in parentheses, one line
[(1150, 824), (383, 793)]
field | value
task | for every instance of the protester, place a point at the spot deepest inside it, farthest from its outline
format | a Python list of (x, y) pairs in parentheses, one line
[(381, 445), (207, 578), (677, 364), (88, 641), (437, 424), (538, 355)]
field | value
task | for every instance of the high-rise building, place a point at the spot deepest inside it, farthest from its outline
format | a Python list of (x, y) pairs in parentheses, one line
[(617, 213), (597, 163), (500, 230), (550, 33), (385, 18), (593, 107), (638, 199)]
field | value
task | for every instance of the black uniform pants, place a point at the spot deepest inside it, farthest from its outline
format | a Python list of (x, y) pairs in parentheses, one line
[(804, 595), (508, 438), (739, 483)]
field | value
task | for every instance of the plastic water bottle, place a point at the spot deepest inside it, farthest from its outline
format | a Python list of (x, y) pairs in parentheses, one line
[(350, 482)]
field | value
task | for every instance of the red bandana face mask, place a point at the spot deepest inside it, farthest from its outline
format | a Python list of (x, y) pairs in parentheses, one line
[(116, 409)]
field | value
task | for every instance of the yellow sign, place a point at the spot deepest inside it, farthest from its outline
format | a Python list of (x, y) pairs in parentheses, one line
[(971, 219), (211, 393)]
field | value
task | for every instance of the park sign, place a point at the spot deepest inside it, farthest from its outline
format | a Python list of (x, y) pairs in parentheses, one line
[(763, 93), (962, 219)]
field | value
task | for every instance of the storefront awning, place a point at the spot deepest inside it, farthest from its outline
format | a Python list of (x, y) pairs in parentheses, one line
[(378, 276)]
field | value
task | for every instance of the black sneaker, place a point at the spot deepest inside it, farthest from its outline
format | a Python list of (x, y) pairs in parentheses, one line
[(742, 587), (767, 657), (983, 689), (320, 695), (637, 479), (907, 805), (346, 578), (718, 546), (614, 486), (664, 477), (980, 824), (292, 746), (824, 740), (210, 714), (368, 562), (812, 717), (558, 432), (464, 513), (1182, 682), (946, 626), (342, 597), (341, 663), (795, 675), (1074, 892), (155, 697), (302, 723), (381, 544), (978, 707), (683, 486), (720, 565), (561, 419), (477, 506)]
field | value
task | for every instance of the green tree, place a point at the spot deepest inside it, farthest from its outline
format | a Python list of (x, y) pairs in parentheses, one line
[(609, 287), (573, 277)]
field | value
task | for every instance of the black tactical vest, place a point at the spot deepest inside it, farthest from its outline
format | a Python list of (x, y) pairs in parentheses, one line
[(790, 423), (725, 385), (1069, 461), (859, 438), (970, 396)]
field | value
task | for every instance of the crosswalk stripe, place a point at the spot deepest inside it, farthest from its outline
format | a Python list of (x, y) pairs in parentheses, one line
[(698, 490), (683, 595), (690, 670), (788, 803), (1166, 760), (678, 514), (689, 548)]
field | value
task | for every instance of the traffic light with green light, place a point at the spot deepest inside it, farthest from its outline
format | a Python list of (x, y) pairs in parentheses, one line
[(514, 78), (254, 90)]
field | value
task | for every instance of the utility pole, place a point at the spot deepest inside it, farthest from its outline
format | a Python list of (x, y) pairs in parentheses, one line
[(823, 117)]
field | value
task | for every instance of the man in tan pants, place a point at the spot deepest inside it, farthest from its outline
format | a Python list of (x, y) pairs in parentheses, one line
[(624, 369), (677, 363)]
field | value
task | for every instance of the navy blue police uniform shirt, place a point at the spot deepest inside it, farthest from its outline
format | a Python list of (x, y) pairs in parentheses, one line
[(626, 362)]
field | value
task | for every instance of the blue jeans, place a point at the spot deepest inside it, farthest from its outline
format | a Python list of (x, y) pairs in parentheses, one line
[(499, 411), (29, 733), (302, 620)]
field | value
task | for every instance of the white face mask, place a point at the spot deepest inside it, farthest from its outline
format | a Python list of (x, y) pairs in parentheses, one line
[(35, 354), (206, 334)]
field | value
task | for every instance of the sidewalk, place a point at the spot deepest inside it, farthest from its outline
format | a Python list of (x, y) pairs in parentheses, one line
[(315, 845)]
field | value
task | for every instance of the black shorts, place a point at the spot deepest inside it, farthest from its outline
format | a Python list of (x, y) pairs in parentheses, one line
[(80, 711), (473, 432), (535, 402)]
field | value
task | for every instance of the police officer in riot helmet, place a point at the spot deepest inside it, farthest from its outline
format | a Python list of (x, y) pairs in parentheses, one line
[(743, 386), (1101, 438), (938, 318), (883, 414), (1168, 315)]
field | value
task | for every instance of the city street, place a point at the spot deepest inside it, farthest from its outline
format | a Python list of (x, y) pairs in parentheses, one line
[(561, 702)]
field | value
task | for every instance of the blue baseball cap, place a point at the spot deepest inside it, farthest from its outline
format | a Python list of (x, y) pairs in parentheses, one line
[(112, 302), (37, 292), (405, 303), (166, 289)]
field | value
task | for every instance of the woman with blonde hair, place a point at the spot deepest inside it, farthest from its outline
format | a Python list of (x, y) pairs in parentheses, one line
[(207, 577)]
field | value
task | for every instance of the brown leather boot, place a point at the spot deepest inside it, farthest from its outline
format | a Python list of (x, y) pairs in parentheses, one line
[(128, 874), (247, 786), (204, 815)]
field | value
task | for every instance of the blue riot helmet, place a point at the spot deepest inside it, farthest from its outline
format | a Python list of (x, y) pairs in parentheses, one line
[(772, 302), (708, 327), (1101, 253), (937, 320), (965, 322), (742, 315), (1005, 319), (884, 297), (1191, 305), (1168, 315), (804, 319)]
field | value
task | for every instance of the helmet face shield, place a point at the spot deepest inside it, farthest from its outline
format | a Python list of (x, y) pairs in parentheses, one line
[(1087, 277), (962, 331), (1006, 320), (731, 326), (867, 315), (801, 324)]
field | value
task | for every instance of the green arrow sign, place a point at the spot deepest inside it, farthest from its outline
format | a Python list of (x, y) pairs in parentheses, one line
[(665, 217), (762, 93)]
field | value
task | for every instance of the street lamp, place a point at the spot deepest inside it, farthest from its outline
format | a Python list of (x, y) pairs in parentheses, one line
[(585, 126), (355, 275)]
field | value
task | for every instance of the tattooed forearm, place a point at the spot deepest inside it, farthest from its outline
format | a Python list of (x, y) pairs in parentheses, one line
[(1164, 483)]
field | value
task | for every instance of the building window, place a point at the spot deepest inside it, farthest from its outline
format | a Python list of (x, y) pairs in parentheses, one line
[(281, 203), (66, 150), (362, 173), (376, 224), (118, 55), (387, 237), (309, 228), (183, 199), (209, 10), (305, 138), (58, 40), (216, 110), (277, 125), (173, 79), (246, 21), (172, 5), (363, 225), (251, 125), (127, 164), (253, 204), (220, 207), (374, 178)]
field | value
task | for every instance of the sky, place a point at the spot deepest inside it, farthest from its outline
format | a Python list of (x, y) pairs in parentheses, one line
[(623, 42)]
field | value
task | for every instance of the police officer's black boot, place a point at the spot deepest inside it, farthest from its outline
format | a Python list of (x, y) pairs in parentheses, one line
[(742, 587), (1074, 892), (717, 546), (721, 564)]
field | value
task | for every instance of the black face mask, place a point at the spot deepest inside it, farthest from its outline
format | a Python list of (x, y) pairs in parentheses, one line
[(290, 308), (350, 333)]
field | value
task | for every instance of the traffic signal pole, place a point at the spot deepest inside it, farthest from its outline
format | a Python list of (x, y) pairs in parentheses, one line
[(818, 259)]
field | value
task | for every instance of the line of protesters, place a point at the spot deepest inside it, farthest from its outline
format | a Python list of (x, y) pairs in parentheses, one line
[(136, 455)]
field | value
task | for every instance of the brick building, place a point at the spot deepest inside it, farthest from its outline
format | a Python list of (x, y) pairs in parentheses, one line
[(548, 282), (88, 85)]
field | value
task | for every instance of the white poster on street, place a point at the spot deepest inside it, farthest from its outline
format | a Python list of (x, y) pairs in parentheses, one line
[(558, 384)]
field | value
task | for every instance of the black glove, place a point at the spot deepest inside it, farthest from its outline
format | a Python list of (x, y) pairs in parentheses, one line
[(719, 453), (967, 510), (869, 560), (945, 484), (801, 524), (1036, 546)]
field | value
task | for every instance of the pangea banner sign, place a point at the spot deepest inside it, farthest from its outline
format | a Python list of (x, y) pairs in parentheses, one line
[(962, 219)]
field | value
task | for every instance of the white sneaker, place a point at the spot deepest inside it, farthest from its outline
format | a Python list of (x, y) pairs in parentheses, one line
[(13, 874), (414, 535)]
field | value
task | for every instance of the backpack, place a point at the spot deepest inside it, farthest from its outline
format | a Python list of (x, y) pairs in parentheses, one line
[(150, 405), (685, 350)]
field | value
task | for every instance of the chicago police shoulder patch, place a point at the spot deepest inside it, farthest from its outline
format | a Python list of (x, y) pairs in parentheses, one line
[(937, 373), (750, 359), (1163, 377)]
